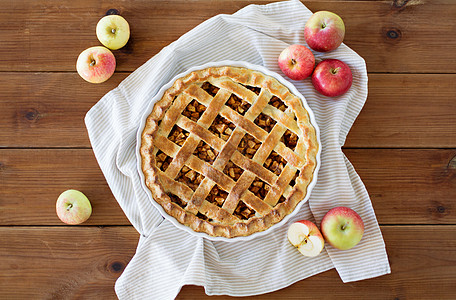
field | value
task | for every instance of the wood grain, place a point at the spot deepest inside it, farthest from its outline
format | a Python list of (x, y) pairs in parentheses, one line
[(64, 262), (393, 36), (47, 109), (406, 186), (407, 111), (86, 261), (402, 110), (32, 180)]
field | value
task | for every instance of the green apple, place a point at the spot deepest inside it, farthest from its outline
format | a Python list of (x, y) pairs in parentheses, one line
[(305, 236), (342, 227), (113, 31), (73, 207)]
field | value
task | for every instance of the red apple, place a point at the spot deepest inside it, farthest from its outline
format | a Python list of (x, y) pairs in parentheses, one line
[(297, 62), (342, 227), (305, 236), (332, 77), (324, 31), (96, 64), (73, 207)]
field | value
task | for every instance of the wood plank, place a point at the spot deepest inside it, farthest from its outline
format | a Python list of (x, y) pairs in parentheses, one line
[(419, 271), (406, 186), (64, 262), (393, 36), (84, 262), (48, 109), (32, 180), (407, 111)]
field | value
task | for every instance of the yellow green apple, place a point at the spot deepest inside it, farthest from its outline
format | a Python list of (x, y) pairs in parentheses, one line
[(73, 207), (342, 227), (113, 31)]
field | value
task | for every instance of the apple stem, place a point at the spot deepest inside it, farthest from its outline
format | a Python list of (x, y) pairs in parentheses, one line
[(323, 26), (293, 62), (69, 206), (343, 227), (334, 71), (92, 63), (113, 30)]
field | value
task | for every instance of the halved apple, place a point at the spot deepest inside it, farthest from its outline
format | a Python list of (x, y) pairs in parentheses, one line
[(305, 236)]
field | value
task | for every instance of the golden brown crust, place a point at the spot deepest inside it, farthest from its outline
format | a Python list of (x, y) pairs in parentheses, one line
[(184, 197)]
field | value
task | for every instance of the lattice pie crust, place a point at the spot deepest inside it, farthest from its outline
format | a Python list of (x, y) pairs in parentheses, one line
[(228, 151)]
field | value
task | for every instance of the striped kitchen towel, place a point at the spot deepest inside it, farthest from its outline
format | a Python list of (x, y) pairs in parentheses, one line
[(168, 258)]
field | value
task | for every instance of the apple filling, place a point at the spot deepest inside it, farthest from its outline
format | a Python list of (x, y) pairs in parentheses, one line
[(217, 196), (177, 200), (290, 139), (194, 110), (243, 212), (178, 135), (222, 128), (205, 152), (203, 217), (277, 103), (254, 89), (293, 181), (233, 171), (259, 188), (281, 199), (248, 146), (162, 160), (237, 104), (275, 163), (189, 177), (210, 89), (265, 122)]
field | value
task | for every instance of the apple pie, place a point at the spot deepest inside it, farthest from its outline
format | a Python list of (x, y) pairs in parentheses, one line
[(228, 151)]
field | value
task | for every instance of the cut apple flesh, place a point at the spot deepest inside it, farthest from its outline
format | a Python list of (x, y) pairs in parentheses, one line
[(311, 247), (297, 233), (299, 236)]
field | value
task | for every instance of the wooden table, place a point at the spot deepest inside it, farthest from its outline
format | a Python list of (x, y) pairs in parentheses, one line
[(403, 144)]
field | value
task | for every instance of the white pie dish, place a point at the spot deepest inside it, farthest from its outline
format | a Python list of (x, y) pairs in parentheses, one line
[(159, 95)]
